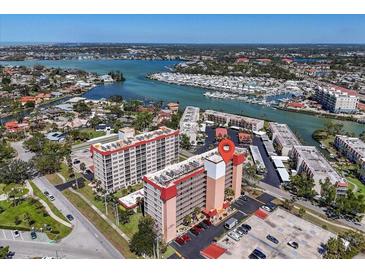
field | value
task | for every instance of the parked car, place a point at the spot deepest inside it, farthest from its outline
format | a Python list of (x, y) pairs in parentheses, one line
[(69, 217), (266, 208), (207, 222), (234, 236), (198, 228), (52, 198), (253, 256), (241, 231), (16, 233), (186, 237), (246, 227), (243, 198), (293, 244), (33, 235), (259, 253), (180, 241), (46, 193), (272, 239), (231, 223), (194, 231), (76, 161), (203, 225)]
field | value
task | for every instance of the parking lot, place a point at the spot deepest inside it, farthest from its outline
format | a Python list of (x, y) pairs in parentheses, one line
[(191, 250), (6, 234), (84, 156), (285, 227)]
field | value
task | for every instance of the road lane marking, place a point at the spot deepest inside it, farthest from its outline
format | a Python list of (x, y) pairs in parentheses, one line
[(4, 234)]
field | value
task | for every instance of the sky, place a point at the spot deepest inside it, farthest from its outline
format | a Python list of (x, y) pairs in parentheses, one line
[(183, 28)]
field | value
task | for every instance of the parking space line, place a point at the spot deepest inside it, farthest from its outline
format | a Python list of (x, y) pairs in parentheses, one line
[(12, 235), (4, 235), (21, 236)]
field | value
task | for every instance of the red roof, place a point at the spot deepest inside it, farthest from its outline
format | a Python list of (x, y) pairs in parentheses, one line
[(242, 60), (226, 204), (242, 136), (210, 213), (212, 251), (11, 125), (345, 90), (361, 106), (265, 60), (342, 184), (261, 213), (26, 99), (295, 105), (221, 132)]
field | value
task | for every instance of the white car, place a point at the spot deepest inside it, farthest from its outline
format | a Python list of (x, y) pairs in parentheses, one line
[(51, 198), (266, 208), (235, 236)]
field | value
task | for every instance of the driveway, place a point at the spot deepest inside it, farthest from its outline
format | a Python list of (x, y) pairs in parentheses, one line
[(22, 154), (191, 250)]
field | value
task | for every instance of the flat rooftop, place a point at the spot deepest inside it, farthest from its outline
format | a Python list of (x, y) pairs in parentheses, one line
[(317, 163), (233, 116), (173, 172), (284, 133), (355, 143), (135, 139)]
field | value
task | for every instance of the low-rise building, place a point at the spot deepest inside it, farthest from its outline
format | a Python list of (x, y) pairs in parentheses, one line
[(189, 123), (308, 160), (229, 119), (198, 182), (124, 162), (352, 148), (283, 138)]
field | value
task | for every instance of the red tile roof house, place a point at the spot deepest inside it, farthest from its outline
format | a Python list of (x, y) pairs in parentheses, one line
[(295, 105), (25, 99), (14, 126), (220, 133), (242, 60)]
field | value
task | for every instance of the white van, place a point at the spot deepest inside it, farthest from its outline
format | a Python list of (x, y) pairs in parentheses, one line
[(231, 223)]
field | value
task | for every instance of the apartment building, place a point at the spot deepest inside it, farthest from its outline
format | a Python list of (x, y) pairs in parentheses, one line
[(352, 148), (337, 101), (174, 192), (189, 123), (228, 119), (124, 162), (308, 160), (283, 138)]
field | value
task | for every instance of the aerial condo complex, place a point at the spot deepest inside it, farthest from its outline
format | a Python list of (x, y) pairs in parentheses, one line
[(182, 141)]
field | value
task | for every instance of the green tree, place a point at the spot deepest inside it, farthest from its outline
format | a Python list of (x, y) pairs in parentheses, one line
[(116, 99), (16, 171), (36, 142), (143, 241), (6, 151), (143, 120), (336, 249), (328, 193), (228, 193), (302, 185), (301, 212), (4, 250), (82, 108), (185, 142)]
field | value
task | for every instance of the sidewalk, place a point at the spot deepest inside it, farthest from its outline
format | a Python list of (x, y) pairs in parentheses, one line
[(102, 215)]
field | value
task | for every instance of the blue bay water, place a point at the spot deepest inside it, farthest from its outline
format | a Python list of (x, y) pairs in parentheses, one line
[(137, 86)]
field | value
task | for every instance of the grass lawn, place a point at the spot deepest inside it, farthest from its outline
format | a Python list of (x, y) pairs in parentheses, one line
[(132, 227), (170, 250), (115, 239), (40, 194), (93, 133), (358, 183), (14, 217), (54, 179), (64, 171), (18, 189)]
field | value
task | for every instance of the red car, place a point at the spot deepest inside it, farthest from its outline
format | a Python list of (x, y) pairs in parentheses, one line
[(207, 222), (186, 238), (180, 240), (198, 228)]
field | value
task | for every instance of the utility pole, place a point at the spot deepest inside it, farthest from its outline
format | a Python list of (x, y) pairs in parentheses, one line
[(116, 214), (106, 205)]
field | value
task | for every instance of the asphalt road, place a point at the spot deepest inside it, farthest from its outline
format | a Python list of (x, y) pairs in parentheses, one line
[(22, 154), (84, 238)]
